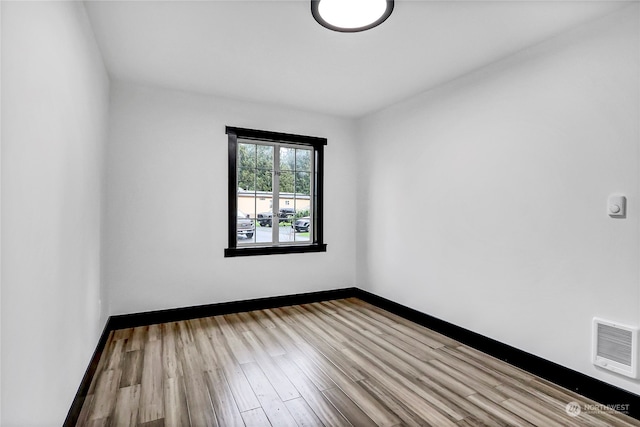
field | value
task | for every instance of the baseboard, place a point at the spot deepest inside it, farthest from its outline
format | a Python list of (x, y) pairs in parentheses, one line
[(83, 389), (185, 313), (582, 384), (585, 385)]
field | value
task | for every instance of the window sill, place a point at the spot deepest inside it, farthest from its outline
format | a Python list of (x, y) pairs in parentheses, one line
[(274, 250)]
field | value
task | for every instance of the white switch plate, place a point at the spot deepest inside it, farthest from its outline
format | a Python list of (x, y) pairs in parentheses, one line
[(617, 206)]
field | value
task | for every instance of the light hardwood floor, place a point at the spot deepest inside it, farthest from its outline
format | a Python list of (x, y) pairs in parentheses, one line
[(335, 363)]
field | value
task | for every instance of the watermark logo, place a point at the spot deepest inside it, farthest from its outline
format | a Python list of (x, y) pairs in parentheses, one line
[(573, 409)]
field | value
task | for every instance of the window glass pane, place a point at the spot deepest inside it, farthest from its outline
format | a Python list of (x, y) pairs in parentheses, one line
[(287, 158), (287, 210), (303, 206), (246, 180), (246, 155), (303, 183), (302, 227), (287, 183), (284, 217), (264, 220), (264, 181), (265, 157), (246, 224), (247, 204), (303, 160)]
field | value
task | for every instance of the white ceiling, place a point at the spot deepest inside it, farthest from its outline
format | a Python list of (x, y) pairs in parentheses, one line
[(275, 52)]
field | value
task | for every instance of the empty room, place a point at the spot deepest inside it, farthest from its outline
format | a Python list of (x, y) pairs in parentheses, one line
[(320, 213)]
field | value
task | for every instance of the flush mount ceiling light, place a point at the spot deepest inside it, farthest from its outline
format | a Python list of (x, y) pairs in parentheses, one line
[(351, 16)]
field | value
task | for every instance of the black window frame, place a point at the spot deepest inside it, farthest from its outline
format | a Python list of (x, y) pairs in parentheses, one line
[(318, 144)]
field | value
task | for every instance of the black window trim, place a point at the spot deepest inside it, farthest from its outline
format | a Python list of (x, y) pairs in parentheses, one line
[(318, 144)]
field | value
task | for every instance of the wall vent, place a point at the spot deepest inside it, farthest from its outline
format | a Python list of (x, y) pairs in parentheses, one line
[(615, 347)]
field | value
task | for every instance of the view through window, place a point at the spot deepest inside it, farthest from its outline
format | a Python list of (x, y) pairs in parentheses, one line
[(265, 215)]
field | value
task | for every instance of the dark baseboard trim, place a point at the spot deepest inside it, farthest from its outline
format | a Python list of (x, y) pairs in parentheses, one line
[(83, 389), (185, 313), (582, 384)]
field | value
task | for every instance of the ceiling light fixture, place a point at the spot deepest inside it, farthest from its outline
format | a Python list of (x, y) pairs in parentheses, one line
[(350, 16)]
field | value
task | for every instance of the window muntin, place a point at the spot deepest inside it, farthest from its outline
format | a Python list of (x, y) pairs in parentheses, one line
[(276, 179)]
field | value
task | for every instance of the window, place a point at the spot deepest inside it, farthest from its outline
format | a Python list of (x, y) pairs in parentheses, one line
[(275, 193)]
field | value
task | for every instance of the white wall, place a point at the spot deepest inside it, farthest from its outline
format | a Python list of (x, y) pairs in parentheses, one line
[(54, 106), (166, 216), (0, 212), (512, 166)]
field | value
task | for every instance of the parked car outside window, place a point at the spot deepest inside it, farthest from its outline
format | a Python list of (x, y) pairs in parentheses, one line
[(302, 224), (284, 215), (246, 226)]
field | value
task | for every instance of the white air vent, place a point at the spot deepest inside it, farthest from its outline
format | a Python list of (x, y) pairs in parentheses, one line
[(615, 347)]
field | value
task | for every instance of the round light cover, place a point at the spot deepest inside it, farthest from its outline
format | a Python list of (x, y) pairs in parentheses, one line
[(351, 15)]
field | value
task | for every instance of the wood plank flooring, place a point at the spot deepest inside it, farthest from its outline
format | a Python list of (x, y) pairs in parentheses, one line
[(334, 363)]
